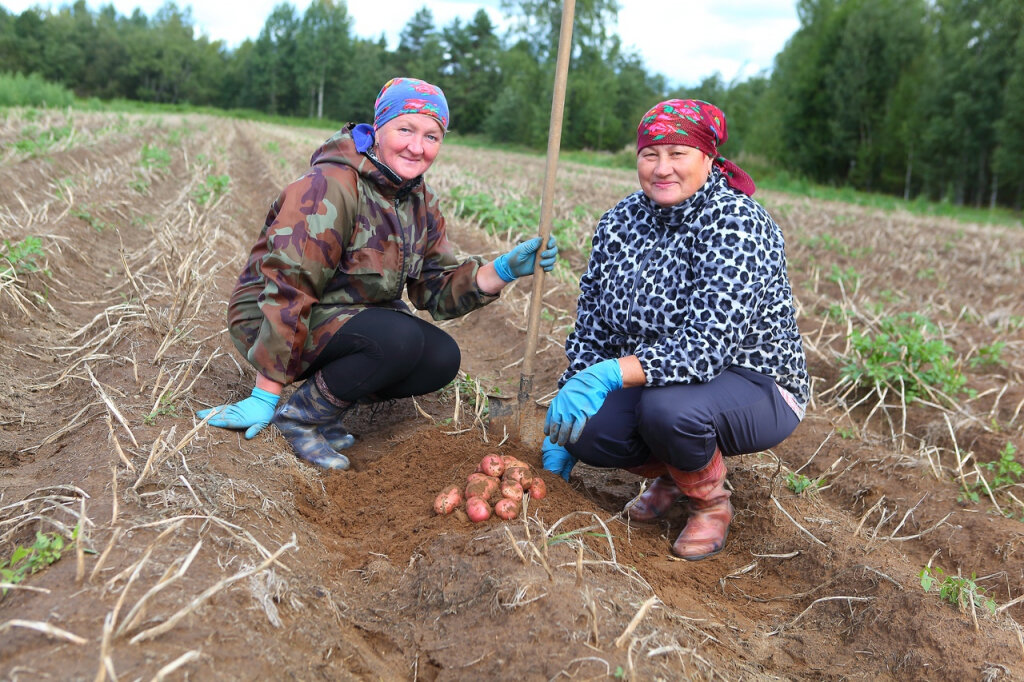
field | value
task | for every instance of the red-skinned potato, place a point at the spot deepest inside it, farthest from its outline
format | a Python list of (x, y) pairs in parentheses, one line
[(448, 500), (477, 509), (506, 509), (510, 461), (492, 465), (538, 488), (511, 489), (520, 475), (482, 486)]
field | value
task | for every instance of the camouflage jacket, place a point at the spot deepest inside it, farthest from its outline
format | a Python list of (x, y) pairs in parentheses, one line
[(342, 238)]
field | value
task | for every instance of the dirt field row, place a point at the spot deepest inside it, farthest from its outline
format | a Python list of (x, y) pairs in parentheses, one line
[(201, 555)]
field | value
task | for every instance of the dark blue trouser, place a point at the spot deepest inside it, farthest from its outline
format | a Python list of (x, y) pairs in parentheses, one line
[(740, 412)]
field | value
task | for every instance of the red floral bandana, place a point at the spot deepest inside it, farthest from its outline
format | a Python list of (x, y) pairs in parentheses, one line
[(694, 123)]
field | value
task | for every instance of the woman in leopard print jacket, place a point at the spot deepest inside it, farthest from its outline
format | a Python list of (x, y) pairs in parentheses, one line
[(686, 346)]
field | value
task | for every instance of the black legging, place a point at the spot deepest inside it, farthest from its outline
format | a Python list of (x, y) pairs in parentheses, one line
[(384, 354)]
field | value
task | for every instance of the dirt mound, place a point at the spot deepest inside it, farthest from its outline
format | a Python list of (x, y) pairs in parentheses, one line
[(201, 554)]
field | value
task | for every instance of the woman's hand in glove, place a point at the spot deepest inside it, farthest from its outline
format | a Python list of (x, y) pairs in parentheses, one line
[(521, 261), (580, 399), (251, 414)]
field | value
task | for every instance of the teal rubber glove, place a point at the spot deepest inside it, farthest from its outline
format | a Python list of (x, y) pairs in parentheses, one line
[(580, 399), (521, 261), (557, 459), (251, 414)]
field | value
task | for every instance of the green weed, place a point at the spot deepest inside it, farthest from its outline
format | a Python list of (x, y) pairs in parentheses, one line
[(25, 561), (21, 258), (1007, 469), (36, 143), (849, 278), (95, 222), (990, 355), (904, 348), (799, 483), (211, 189), (956, 589), (155, 157), (165, 409)]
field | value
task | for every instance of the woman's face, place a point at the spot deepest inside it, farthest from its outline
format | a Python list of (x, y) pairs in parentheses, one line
[(409, 143), (671, 173)]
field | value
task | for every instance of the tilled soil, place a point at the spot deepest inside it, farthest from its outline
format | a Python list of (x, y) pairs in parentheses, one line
[(203, 555)]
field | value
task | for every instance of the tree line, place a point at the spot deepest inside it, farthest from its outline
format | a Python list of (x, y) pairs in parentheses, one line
[(918, 98)]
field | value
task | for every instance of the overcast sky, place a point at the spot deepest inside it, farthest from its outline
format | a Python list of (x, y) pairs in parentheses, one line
[(683, 40)]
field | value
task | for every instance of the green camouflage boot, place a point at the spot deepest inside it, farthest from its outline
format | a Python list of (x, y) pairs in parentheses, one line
[(302, 419)]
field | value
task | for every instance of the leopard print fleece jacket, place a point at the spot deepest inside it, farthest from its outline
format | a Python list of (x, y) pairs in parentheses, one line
[(690, 290)]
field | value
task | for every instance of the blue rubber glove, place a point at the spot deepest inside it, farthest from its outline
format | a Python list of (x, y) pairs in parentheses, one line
[(557, 459), (520, 261), (251, 414), (580, 399)]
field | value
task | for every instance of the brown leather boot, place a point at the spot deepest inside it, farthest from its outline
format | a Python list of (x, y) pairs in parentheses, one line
[(710, 510)]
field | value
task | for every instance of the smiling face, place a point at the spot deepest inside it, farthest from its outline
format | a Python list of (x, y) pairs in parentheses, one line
[(671, 173), (409, 143)]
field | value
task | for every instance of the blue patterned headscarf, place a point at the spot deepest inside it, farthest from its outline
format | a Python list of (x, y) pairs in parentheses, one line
[(402, 96), (410, 96)]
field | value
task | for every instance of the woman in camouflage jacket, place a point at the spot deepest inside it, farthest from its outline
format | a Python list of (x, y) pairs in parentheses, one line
[(319, 300)]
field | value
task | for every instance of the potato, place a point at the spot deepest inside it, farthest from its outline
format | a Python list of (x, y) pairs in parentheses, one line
[(512, 490), (506, 509), (510, 461), (492, 465), (477, 509), (448, 500), (520, 475), (483, 486), (538, 488)]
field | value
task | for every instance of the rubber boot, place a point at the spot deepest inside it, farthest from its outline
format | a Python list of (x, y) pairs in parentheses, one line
[(710, 510), (300, 420), (659, 497), (336, 435)]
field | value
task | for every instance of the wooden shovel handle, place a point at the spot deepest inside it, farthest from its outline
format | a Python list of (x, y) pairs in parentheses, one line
[(548, 196)]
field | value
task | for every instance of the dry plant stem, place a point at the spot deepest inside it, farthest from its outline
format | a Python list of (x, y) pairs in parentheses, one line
[(118, 532), (169, 624), (795, 523), (817, 601), (515, 546), (136, 611), (637, 618), (106, 662), (864, 518), (45, 628), (922, 533), (117, 445), (543, 561), (13, 586), (184, 659), (79, 548), (110, 405), (220, 522), (981, 477)]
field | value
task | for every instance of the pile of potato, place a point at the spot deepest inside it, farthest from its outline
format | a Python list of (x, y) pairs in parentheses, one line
[(499, 479)]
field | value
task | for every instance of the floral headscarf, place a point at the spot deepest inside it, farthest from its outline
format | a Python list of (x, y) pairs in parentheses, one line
[(694, 123), (410, 96)]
